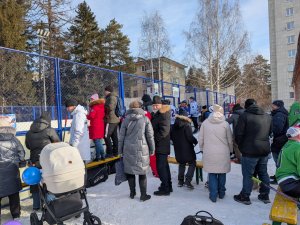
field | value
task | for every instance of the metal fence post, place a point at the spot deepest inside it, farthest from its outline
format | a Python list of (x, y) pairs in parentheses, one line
[(195, 94), (121, 87), (217, 100), (207, 98), (224, 104), (162, 88), (58, 96), (179, 98)]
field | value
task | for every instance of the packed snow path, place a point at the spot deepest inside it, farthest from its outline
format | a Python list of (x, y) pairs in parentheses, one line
[(113, 205)]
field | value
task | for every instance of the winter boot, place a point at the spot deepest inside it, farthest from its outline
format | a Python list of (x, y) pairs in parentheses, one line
[(242, 199), (145, 197), (188, 184), (264, 198), (162, 192), (180, 183)]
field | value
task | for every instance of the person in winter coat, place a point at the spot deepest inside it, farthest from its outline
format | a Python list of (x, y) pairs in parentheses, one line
[(280, 124), (288, 172), (183, 105), (97, 127), (136, 144), (79, 134), (11, 156), (252, 136), (161, 126), (112, 122), (39, 135), (203, 111), (237, 110), (194, 113), (147, 103), (184, 142), (215, 140)]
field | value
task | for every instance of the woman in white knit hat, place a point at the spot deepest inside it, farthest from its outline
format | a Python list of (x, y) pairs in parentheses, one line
[(215, 140)]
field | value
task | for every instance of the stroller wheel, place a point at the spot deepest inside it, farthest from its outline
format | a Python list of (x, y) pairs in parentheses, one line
[(34, 220), (92, 220)]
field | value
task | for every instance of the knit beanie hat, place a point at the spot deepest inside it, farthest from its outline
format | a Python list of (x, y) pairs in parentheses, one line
[(156, 100), (183, 112), (278, 103), (249, 102), (71, 102), (109, 88), (94, 97)]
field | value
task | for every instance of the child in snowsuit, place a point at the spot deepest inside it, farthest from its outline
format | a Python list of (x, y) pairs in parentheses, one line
[(184, 142), (288, 173)]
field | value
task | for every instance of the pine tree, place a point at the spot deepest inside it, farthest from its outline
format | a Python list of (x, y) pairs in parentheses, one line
[(86, 39), (196, 77), (232, 73), (255, 82), (16, 87), (116, 47)]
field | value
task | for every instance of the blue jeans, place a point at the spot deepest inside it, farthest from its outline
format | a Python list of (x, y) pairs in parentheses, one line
[(216, 185), (36, 200), (99, 148), (249, 165)]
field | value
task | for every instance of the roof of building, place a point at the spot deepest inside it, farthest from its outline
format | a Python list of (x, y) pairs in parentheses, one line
[(139, 60)]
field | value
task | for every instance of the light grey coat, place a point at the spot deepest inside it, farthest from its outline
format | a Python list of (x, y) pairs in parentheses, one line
[(136, 142)]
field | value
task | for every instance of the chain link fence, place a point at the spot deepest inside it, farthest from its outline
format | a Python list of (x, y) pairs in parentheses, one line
[(31, 84)]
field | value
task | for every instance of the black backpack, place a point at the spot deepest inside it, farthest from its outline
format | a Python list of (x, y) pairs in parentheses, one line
[(201, 219), (96, 176), (119, 111)]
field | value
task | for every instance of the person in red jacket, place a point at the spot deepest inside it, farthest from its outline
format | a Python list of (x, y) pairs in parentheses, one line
[(97, 127)]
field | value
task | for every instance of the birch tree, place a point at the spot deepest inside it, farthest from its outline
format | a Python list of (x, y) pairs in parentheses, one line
[(215, 36), (154, 41)]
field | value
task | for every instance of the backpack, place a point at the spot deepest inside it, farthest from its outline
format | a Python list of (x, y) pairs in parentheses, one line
[(201, 219), (96, 176), (119, 111)]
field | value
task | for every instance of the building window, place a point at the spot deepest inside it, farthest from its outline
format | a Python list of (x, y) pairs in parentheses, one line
[(127, 94), (289, 12), (290, 25), (290, 82), (291, 68), (292, 53), (143, 68), (292, 95), (291, 39), (135, 94)]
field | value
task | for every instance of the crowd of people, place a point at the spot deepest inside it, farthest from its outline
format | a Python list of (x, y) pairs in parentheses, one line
[(148, 127)]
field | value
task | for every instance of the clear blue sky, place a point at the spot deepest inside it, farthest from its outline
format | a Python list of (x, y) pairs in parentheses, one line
[(178, 15)]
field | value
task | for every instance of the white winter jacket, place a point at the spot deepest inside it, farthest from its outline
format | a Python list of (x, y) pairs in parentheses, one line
[(194, 109), (215, 140), (79, 134)]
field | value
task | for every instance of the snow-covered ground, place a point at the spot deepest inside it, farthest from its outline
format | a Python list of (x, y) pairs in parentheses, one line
[(113, 205)]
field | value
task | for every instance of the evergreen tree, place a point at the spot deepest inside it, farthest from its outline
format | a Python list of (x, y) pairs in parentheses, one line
[(232, 73), (116, 47), (255, 82), (16, 87), (196, 77), (86, 39)]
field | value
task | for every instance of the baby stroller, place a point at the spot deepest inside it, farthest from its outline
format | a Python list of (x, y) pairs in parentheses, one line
[(62, 191)]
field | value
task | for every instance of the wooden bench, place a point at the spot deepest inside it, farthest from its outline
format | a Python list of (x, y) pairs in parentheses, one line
[(101, 162), (199, 166), (283, 211)]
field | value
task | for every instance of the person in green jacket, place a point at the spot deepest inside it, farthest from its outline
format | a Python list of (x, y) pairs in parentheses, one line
[(288, 173)]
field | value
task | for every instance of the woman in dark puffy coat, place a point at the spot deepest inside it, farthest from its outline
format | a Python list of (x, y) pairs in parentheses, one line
[(11, 154), (184, 141), (39, 135), (136, 144)]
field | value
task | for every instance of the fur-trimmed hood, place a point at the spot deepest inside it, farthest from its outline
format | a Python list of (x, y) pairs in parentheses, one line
[(164, 109), (97, 102), (181, 121)]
